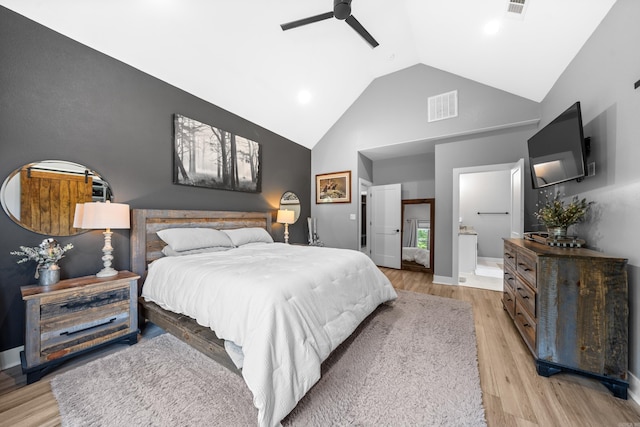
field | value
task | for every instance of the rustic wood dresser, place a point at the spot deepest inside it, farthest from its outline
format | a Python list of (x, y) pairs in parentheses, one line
[(570, 306), (74, 316)]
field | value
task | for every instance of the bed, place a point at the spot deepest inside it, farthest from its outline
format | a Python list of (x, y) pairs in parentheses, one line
[(277, 310)]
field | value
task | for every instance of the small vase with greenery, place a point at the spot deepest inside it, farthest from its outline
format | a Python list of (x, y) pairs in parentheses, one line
[(47, 255), (557, 215)]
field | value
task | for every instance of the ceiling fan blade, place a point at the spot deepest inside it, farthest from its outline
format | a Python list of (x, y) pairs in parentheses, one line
[(353, 23), (305, 21)]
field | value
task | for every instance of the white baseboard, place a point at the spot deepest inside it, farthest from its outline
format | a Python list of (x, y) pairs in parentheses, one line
[(634, 388), (443, 280), (10, 358), (490, 259)]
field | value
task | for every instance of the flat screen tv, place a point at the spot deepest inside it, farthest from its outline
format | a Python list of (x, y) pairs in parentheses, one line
[(557, 152)]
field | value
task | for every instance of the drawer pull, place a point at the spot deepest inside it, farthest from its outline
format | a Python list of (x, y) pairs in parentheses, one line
[(508, 256), (525, 266), (526, 325), (88, 328)]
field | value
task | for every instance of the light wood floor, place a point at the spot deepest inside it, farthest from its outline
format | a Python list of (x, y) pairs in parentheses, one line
[(513, 394)]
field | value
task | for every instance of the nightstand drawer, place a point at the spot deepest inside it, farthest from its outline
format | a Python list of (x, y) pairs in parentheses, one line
[(75, 337), (86, 299)]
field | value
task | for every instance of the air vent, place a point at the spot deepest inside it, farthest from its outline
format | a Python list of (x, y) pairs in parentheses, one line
[(516, 6), (443, 106)]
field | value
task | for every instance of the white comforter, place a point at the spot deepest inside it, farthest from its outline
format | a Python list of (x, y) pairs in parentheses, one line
[(421, 256), (287, 306)]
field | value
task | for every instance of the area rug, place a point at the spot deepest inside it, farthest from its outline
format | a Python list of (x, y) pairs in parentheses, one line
[(413, 363)]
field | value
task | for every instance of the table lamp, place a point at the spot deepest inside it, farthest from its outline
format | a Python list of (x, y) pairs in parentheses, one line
[(286, 217), (107, 215)]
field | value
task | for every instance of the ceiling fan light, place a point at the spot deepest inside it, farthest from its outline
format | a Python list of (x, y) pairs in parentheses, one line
[(341, 9)]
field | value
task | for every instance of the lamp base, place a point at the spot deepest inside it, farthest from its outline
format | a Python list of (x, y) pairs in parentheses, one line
[(107, 272), (286, 233), (107, 256)]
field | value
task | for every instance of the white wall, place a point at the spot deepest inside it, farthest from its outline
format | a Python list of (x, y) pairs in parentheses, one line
[(415, 173), (490, 194), (496, 148), (602, 77), (393, 110)]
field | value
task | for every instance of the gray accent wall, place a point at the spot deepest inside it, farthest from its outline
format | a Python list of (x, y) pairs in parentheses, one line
[(62, 100), (602, 77)]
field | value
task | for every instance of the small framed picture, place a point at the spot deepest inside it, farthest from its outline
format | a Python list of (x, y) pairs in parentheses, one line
[(333, 187)]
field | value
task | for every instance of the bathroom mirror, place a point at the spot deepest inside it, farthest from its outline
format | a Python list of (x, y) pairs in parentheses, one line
[(290, 201), (42, 196)]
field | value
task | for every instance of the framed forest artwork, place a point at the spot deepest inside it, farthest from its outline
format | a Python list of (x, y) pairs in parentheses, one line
[(210, 157), (333, 187)]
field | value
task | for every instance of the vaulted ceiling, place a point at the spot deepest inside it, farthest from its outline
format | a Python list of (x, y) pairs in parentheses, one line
[(234, 53)]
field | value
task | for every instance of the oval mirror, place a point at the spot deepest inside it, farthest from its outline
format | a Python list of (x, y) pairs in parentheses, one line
[(290, 201), (42, 196)]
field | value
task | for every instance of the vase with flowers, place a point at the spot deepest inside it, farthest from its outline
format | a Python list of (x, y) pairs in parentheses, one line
[(557, 215), (46, 254)]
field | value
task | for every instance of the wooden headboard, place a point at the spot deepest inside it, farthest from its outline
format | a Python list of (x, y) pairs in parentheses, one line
[(146, 246)]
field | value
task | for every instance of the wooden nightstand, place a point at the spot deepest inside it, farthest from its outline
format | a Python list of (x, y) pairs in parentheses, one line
[(75, 316)]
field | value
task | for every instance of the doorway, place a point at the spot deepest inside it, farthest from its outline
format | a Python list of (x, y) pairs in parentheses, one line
[(364, 225), (418, 218), (487, 256)]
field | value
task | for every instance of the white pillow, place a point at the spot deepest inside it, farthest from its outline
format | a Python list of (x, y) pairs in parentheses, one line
[(167, 251), (186, 239), (242, 236)]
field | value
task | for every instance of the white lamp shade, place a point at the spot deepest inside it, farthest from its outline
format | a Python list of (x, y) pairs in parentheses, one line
[(285, 217), (98, 215), (77, 216)]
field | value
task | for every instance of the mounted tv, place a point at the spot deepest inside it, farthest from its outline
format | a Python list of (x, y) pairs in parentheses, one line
[(557, 153)]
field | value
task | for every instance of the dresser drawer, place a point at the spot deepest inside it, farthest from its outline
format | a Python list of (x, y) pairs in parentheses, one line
[(526, 267), (509, 280), (526, 325), (526, 297), (510, 253), (509, 301)]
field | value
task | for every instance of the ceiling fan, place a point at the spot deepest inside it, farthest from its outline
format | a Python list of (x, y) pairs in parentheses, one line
[(341, 11)]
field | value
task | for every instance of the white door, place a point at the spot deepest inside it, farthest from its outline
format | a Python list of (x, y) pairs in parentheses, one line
[(386, 206), (517, 200)]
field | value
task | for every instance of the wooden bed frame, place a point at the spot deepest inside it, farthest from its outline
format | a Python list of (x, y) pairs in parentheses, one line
[(414, 266), (146, 247)]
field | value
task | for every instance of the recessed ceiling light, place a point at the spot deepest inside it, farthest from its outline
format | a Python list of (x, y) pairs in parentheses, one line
[(492, 27), (304, 96)]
